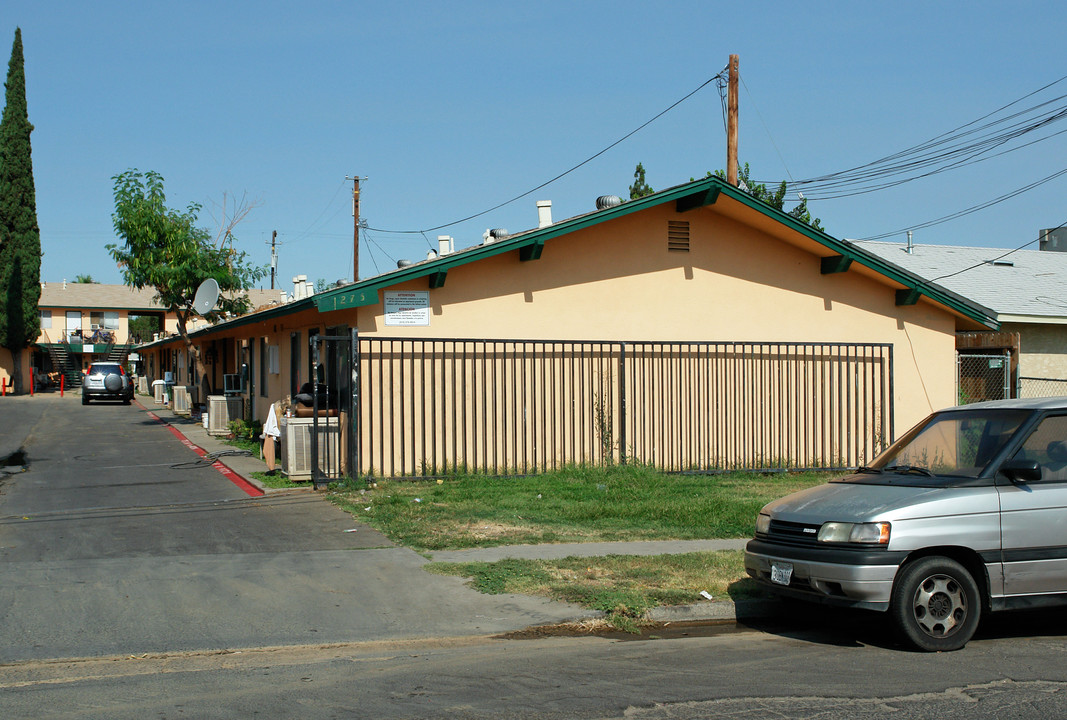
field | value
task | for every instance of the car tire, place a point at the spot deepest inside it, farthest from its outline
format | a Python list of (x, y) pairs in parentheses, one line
[(85, 399), (935, 604)]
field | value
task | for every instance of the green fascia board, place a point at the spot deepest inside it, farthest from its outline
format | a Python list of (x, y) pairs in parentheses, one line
[(249, 319), (365, 292), (965, 307), (697, 193)]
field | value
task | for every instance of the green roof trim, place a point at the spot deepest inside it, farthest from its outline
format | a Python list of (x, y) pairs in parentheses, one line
[(691, 195)]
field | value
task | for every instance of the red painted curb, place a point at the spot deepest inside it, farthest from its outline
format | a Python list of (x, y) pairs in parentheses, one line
[(226, 472)]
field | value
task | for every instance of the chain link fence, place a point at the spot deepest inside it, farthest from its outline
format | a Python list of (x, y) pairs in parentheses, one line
[(1030, 387), (983, 377)]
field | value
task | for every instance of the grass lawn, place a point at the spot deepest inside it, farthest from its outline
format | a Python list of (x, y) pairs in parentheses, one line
[(569, 505), (582, 505)]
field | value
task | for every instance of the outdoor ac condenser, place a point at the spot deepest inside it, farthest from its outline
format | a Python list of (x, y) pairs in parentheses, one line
[(296, 447), (221, 410), (159, 392), (181, 399)]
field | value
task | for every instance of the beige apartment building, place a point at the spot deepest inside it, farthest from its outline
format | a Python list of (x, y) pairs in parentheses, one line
[(694, 329)]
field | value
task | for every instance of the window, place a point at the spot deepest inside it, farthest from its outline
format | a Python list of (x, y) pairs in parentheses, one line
[(274, 364), (46, 319), (1048, 445), (104, 319), (263, 366)]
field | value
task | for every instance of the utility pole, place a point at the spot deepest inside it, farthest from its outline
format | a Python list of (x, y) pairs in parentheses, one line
[(355, 228), (273, 258), (731, 124)]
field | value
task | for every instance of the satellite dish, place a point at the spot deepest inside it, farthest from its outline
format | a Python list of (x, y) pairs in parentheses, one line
[(206, 297)]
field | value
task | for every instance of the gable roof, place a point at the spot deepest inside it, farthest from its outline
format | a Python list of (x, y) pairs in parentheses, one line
[(686, 197), (97, 296), (1023, 286)]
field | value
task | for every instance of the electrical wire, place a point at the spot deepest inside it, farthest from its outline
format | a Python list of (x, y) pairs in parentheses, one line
[(999, 257), (973, 208), (561, 175), (964, 145)]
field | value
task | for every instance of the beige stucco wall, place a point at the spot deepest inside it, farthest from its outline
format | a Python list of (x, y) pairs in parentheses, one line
[(7, 367), (617, 281), (57, 332), (1042, 351)]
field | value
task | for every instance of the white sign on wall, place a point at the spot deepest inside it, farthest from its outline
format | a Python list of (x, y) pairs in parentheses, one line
[(407, 308)]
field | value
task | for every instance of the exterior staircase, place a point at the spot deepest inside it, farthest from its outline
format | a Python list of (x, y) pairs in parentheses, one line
[(61, 362), (119, 352)]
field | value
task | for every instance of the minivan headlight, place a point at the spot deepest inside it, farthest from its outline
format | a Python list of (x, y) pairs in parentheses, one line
[(876, 533), (763, 524)]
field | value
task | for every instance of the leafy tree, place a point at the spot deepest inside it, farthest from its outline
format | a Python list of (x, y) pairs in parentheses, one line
[(142, 327), (85, 279), (20, 237), (165, 250), (775, 199), (640, 188)]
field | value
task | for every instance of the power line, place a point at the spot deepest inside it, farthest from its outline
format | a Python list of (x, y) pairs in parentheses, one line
[(972, 209), (993, 260), (562, 174)]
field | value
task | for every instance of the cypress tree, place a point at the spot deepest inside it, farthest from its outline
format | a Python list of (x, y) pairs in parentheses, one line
[(20, 237)]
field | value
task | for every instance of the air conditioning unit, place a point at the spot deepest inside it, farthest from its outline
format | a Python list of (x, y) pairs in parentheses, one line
[(296, 447), (142, 385), (181, 400), (232, 384), (221, 410), (159, 391)]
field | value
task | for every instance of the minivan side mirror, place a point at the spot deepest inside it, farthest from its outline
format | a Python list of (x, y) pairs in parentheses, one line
[(1019, 470)]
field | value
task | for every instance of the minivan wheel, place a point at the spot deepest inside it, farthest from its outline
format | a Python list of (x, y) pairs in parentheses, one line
[(935, 604)]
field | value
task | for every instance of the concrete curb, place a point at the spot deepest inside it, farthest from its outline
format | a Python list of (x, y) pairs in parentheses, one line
[(240, 465)]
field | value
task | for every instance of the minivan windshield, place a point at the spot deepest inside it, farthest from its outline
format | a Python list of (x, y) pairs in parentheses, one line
[(959, 443)]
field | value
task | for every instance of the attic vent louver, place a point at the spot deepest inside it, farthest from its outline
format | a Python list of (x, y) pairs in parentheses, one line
[(678, 236)]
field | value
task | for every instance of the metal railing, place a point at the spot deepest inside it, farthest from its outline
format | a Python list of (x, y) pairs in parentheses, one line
[(430, 406), (1030, 387)]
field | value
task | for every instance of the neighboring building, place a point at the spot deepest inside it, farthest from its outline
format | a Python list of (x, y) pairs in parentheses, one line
[(695, 328), (1027, 290), (85, 322)]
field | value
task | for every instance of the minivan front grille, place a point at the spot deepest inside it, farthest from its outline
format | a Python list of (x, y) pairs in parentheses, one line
[(793, 533)]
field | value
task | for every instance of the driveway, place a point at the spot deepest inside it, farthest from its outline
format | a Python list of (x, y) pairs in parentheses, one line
[(113, 542)]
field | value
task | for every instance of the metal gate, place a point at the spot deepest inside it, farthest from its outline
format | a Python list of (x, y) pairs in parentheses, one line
[(333, 380), (983, 377), (429, 407)]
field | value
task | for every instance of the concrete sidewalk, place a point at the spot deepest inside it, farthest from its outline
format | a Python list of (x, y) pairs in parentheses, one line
[(717, 609), (194, 431)]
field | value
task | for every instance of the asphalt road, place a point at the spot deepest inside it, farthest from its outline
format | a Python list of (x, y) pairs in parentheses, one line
[(134, 585), (115, 542)]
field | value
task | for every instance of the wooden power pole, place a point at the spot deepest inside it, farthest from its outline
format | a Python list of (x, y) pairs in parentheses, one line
[(273, 258), (731, 124), (355, 229)]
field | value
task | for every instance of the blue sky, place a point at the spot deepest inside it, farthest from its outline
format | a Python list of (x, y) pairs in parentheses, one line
[(448, 109)]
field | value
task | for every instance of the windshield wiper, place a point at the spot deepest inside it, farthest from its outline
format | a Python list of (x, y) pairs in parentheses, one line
[(905, 469), (865, 469)]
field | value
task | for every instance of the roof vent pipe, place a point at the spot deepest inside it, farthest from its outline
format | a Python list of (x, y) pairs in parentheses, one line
[(544, 213), (445, 244), (911, 248)]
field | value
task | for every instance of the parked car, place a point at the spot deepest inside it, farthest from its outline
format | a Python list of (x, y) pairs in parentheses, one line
[(107, 381), (966, 513)]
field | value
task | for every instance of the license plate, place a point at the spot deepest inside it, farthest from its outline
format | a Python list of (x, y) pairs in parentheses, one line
[(781, 573)]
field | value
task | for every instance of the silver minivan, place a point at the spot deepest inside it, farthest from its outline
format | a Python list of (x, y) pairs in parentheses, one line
[(965, 513)]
